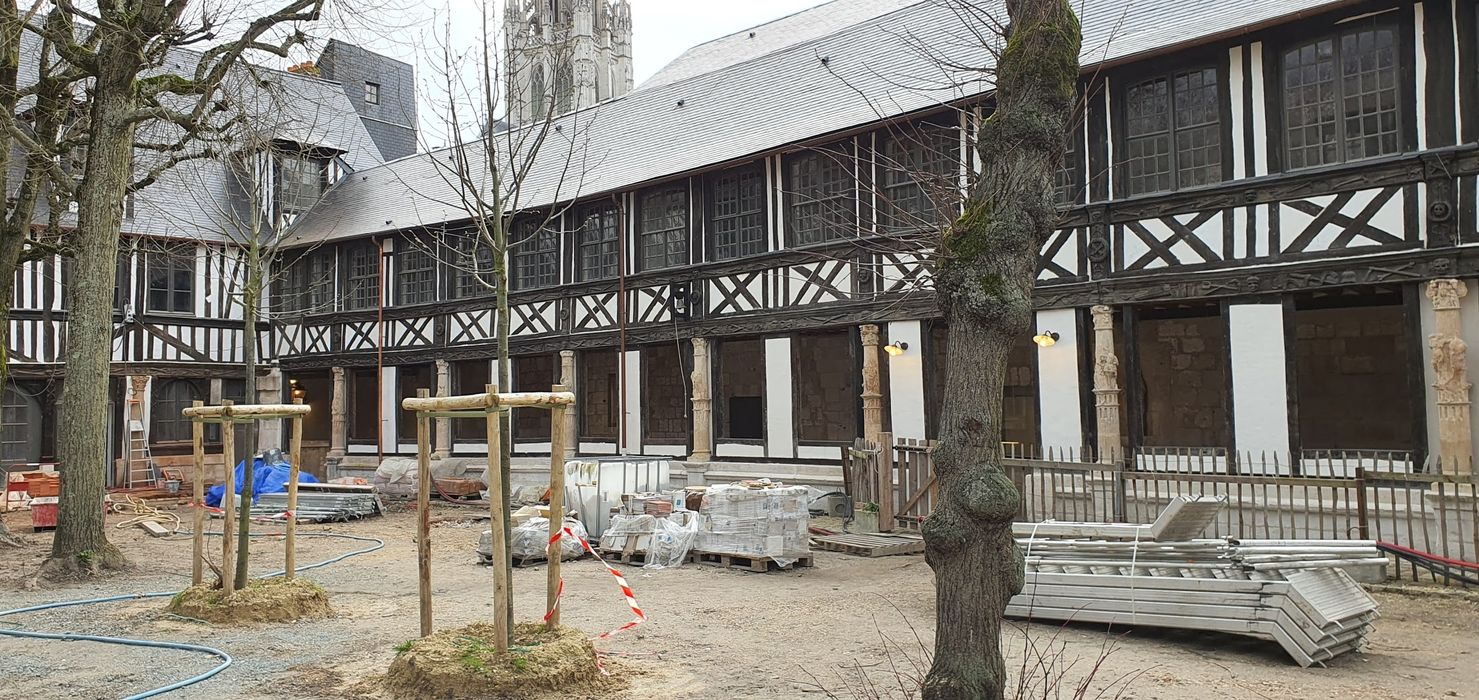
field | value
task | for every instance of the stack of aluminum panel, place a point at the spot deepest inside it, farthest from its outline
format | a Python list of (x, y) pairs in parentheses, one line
[(322, 503), (1220, 558), (1314, 614)]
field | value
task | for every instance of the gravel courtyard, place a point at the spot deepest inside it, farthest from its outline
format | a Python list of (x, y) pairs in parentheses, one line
[(849, 626)]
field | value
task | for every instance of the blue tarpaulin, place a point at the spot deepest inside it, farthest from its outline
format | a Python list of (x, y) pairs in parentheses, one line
[(266, 478)]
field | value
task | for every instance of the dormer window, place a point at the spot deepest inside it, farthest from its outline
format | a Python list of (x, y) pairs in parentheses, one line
[(372, 93), (301, 182)]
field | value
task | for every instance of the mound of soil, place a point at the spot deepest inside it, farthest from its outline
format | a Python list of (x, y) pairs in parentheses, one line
[(464, 663), (263, 600)]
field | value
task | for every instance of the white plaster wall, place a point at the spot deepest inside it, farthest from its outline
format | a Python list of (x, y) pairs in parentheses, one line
[(1061, 416), (631, 406), (388, 410), (906, 381), (1260, 390), (780, 432)]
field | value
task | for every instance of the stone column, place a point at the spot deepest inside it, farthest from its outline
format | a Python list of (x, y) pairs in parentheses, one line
[(443, 447), (269, 432), (703, 407), (872, 385), (1450, 368), (338, 417), (1106, 386), (138, 386), (567, 379)]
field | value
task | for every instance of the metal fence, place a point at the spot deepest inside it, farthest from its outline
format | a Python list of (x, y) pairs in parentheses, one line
[(1356, 494)]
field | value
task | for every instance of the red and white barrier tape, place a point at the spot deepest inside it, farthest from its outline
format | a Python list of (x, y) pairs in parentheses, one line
[(621, 581)]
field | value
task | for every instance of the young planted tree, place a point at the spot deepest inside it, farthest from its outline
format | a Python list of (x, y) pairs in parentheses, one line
[(130, 80), (985, 277), (485, 167)]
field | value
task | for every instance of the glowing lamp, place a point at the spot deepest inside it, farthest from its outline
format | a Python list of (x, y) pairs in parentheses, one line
[(896, 348), (296, 390), (1045, 339)]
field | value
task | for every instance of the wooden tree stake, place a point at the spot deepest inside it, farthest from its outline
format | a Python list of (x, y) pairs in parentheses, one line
[(423, 512), (228, 505), (556, 506), (295, 454), (197, 503), (496, 516)]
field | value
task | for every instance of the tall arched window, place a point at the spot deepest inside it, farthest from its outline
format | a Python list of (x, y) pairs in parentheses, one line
[(170, 397), (20, 428), (538, 106), (564, 88)]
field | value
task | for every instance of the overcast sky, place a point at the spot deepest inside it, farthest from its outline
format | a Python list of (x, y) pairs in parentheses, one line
[(661, 30)]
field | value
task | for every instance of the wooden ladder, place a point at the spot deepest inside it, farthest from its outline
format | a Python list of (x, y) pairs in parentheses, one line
[(141, 472)]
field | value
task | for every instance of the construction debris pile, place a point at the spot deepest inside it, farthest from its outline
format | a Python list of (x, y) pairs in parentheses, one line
[(322, 503), (1296, 592)]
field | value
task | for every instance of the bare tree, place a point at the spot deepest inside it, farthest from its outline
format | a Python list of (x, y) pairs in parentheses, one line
[(122, 56), (986, 272), (483, 172)]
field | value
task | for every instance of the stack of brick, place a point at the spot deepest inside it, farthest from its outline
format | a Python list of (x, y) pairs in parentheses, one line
[(759, 520)]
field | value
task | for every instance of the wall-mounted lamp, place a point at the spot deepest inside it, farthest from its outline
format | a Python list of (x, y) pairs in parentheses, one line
[(296, 390), (1045, 339), (896, 348)]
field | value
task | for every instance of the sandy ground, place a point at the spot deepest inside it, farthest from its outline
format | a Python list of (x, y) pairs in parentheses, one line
[(848, 627)]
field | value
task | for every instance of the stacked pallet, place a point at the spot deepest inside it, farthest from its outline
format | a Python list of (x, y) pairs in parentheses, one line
[(1221, 558), (1315, 614)]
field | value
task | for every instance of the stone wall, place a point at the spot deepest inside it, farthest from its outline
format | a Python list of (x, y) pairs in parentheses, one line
[(1183, 370), (1353, 372), (739, 389), (665, 393), (828, 391)]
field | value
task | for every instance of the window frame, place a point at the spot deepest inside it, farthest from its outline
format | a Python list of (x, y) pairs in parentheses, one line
[(1400, 24), (425, 291), (746, 247), (543, 255), (361, 290), (848, 151), (167, 420), (372, 92), (884, 167), (293, 203), (170, 253), (1193, 62), (650, 199), (473, 259), (609, 237)]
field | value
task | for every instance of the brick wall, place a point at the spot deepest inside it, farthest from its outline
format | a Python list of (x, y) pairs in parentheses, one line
[(1348, 358), (1183, 367)]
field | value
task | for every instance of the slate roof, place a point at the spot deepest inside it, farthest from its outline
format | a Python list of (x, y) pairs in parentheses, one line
[(761, 104), (819, 21)]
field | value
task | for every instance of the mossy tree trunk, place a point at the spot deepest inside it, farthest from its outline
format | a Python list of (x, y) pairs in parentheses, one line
[(82, 431), (985, 278)]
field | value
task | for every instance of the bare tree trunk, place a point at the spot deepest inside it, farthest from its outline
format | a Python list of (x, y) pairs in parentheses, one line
[(251, 302), (985, 282), (81, 543), (505, 383)]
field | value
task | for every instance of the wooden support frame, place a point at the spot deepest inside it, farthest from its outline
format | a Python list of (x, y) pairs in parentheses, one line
[(487, 406), (226, 415)]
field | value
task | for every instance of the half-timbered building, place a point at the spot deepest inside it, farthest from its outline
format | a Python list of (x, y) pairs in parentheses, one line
[(1268, 214), (179, 332)]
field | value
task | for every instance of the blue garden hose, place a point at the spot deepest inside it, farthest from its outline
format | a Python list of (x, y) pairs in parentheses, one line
[(223, 656)]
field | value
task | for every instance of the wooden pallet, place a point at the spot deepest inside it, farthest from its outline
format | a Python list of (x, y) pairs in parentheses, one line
[(871, 544), (737, 561)]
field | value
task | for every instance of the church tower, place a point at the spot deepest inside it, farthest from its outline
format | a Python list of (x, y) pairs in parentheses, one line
[(564, 55)]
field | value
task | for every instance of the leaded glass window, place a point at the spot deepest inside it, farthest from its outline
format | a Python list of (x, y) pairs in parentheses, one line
[(663, 228), (302, 182), (471, 266), (596, 244), (919, 174), (362, 276), (1173, 132), (1068, 184), (320, 282), (821, 196), (169, 398), (737, 212), (417, 276), (1341, 98), (536, 255)]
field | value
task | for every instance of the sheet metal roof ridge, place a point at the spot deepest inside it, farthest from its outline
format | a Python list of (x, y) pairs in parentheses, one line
[(646, 84)]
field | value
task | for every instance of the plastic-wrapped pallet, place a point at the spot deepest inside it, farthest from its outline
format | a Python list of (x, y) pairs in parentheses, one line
[(755, 522), (530, 540), (663, 542)]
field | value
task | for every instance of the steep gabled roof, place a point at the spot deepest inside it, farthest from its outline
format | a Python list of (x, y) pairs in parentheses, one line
[(806, 25), (873, 69)]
